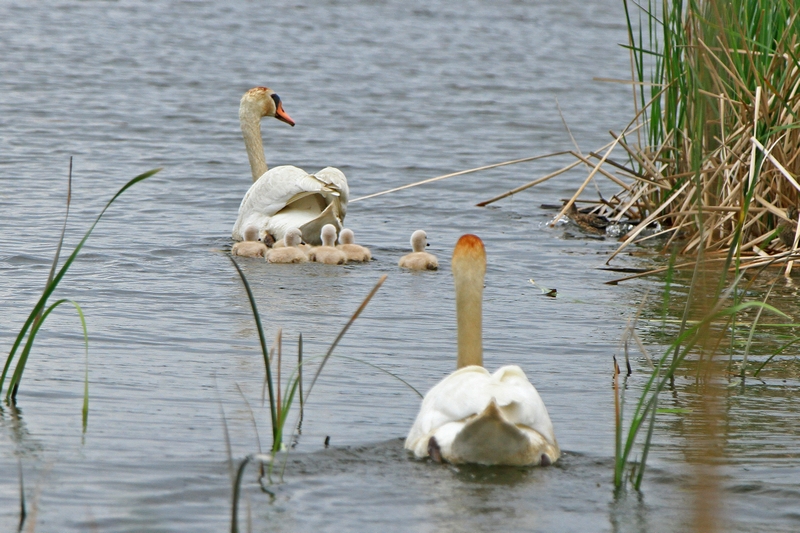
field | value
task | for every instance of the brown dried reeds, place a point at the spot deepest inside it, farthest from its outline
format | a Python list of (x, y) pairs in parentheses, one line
[(711, 160), (718, 169)]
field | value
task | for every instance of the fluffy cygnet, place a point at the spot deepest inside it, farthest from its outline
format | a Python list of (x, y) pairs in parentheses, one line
[(328, 253), (303, 247), (250, 246), (289, 253), (354, 252), (419, 259)]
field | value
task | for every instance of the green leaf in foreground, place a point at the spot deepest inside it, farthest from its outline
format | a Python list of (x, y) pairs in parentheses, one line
[(38, 313)]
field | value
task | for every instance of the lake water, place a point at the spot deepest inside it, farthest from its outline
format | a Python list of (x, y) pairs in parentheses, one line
[(391, 93)]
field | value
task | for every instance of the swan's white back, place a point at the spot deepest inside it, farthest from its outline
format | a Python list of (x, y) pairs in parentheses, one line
[(459, 397), (313, 199)]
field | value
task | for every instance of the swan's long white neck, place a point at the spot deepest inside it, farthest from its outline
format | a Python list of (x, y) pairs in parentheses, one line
[(250, 120), (469, 269)]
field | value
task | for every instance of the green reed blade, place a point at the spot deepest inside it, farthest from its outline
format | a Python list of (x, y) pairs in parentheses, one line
[(42, 302), (273, 408)]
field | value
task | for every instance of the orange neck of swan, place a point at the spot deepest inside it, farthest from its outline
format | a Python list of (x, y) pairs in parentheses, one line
[(469, 269)]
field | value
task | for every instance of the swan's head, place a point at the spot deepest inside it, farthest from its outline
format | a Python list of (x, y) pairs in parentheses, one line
[(263, 102), (251, 233), (293, 237), (328, 235), (346, 236), (469, 255), (419, 240)]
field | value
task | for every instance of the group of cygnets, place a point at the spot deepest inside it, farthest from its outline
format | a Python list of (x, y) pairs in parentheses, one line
[(292, 249)]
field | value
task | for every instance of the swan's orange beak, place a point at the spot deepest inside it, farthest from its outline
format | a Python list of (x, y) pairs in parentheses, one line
[(282, 115)]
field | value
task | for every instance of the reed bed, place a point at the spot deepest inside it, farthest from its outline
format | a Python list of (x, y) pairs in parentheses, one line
[(711, 157), (709, 165)]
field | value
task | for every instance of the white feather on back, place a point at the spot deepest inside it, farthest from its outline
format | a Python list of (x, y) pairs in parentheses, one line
[(286, 196), (466, 393)]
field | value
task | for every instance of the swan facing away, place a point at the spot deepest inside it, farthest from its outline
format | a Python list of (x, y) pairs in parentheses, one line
[(284, 197), (290, 252), (250, 246), (419, 259), (354, 252), (327, 253), (472, 416)]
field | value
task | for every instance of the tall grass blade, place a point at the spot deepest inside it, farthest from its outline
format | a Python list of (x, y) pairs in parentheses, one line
[(265, 352), (22, 511), (343, 331), (376, 367), (51, 286), (325, 359), (300, 374), (63, 227), (237, 486), (23, 359)]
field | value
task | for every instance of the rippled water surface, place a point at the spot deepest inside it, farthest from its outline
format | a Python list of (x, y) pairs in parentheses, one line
[(391, 93)]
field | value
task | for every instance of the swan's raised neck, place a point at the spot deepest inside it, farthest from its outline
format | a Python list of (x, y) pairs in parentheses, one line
[(256, 103), (419, 240), (469, 269), (328, 235), (346, 236)]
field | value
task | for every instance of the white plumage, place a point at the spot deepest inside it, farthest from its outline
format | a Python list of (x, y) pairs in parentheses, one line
[(478, 417), (287, 197), (284, 197), (472, 416)]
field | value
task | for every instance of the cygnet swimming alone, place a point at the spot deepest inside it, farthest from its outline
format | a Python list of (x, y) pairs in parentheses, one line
[(419, 259), (289, 253), (250, 246), (327, 253), (354, 252)]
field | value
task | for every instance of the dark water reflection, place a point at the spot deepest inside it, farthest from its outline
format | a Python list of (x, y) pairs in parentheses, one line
[(391, 93)]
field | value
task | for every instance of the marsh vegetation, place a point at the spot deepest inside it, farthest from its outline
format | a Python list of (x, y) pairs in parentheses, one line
[(176, 366)]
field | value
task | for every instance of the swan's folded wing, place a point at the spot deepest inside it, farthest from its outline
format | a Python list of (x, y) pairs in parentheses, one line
[(520, 401), (335, 178), (452, 399), (467, 392), (277, 188)]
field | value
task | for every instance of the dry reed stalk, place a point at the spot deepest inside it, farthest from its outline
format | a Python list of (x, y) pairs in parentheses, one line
[(459, 173), (713, 152)]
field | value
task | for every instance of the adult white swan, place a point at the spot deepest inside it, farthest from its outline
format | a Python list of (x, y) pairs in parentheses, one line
[(472, 416), (284, 197)]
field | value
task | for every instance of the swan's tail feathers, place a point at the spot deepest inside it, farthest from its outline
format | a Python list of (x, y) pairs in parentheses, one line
[(334, 178), (489, 438), (327, 186)]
